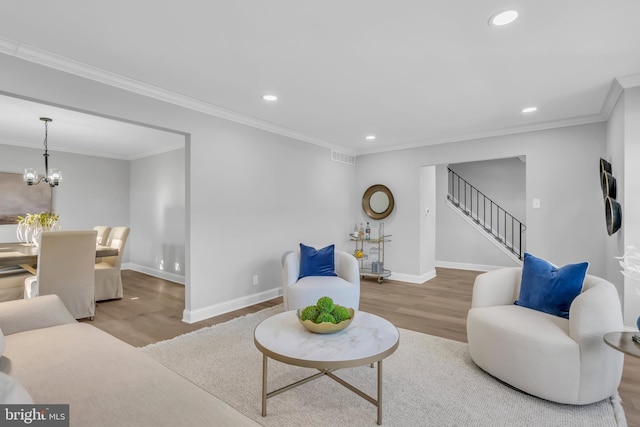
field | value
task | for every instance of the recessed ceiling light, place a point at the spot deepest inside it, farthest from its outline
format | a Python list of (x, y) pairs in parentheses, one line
[(529, 109), (503, 18), (370, 137), (270, 98)]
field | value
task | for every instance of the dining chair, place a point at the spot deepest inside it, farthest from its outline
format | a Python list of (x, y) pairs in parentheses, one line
[(65, 268), (103, 234), (12, 283), (107, 273)]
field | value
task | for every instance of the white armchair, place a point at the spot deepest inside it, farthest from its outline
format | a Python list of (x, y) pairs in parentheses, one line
[(344, 288), (558, 359)]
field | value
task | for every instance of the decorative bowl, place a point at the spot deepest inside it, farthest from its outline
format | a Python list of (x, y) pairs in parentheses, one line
[(325, 327)]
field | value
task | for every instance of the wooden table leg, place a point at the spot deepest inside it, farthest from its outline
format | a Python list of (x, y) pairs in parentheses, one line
[(29, 268)]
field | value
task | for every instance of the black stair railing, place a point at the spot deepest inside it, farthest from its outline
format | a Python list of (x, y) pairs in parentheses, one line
[(485, 212)]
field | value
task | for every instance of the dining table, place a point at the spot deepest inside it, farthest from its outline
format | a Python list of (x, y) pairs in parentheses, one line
[(25, 255)]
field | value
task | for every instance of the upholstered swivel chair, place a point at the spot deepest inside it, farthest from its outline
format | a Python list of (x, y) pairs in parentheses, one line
[(103, 234), (344, 288), (558, 359), (65, 268), (107, 272)]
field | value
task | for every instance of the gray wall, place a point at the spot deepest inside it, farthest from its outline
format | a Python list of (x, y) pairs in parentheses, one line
[(459, 245), (623, 150), (502, 180), (560, 171), (158, 215), (250, 194), (94, 190)]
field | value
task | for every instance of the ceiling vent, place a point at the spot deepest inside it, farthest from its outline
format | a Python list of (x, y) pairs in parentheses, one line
[(339, 157)]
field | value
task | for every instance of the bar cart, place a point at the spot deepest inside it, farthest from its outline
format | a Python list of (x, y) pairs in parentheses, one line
[(375, 246)]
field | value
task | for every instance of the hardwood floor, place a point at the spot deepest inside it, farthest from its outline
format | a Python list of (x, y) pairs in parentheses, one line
[(151, 311)]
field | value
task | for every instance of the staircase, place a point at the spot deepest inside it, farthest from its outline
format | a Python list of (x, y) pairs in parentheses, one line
[(489, 217)]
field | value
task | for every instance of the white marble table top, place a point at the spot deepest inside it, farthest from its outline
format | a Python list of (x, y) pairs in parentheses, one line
[(367, 339)]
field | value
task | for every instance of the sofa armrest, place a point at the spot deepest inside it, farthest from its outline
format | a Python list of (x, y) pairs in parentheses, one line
[(497, 287), (35, 313), (347, 267)]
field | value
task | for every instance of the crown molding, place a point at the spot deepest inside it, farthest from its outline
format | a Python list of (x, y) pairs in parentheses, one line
[(618, 85), (67, 65), (574, 121), (615, 91), (632, 80)]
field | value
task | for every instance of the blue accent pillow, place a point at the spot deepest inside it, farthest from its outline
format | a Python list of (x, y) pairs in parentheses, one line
[(548, 288), (317, 262)]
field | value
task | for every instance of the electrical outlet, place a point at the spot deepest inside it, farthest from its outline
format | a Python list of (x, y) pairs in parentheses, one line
[(255, 280)]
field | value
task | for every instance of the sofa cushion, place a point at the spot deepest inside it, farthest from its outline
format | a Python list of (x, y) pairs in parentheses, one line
[(550, 289), (107, 382), (317, 262), (1, 342)]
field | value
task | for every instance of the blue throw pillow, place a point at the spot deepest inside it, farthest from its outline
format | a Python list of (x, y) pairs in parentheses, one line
[(318, 262), (548, 288)]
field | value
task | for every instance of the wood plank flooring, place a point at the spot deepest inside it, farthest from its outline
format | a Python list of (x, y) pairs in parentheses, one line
[(151, 311)]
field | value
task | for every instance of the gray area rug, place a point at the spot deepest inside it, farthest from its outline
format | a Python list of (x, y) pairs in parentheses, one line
[(428, 381)]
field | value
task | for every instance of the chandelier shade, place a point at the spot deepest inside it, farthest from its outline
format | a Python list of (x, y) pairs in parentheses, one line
[(53, 176)]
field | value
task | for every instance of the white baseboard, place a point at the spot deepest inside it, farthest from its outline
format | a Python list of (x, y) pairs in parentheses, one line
[(412, 278), (192, 316), (172, 277), (464, 266)]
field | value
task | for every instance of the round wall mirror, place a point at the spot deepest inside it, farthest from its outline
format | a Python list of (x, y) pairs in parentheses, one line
[(377, 201)]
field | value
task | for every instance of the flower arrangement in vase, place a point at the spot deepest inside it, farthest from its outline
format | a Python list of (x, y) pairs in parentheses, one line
[(31, 226)]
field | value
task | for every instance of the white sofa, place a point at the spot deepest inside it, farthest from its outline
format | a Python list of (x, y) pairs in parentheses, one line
[(105, 381), (558, 359), (344, 288)]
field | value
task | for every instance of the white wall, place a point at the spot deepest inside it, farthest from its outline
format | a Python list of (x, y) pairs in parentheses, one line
[(561, 171), (250, 194), (614, 245), (460, 245), (502, 180), (158, 215), (429, 211), (631, 199), (94, 190)]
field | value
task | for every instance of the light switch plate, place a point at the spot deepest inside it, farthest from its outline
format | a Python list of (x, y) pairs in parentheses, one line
[(536, 203)]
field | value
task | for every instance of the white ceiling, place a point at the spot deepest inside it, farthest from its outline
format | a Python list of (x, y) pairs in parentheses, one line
[(412, 72), (77, 132)]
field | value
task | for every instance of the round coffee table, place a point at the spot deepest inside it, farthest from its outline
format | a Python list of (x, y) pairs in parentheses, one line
[(367, 340)]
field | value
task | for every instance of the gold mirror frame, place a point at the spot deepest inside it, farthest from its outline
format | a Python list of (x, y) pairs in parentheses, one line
[(366, 201)]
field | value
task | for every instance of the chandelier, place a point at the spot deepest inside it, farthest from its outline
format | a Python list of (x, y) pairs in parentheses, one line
[(54, 176)]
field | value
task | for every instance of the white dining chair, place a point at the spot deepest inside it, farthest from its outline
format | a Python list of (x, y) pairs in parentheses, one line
[(12, 283), (65, 268), (108, 280), (103, 234)]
